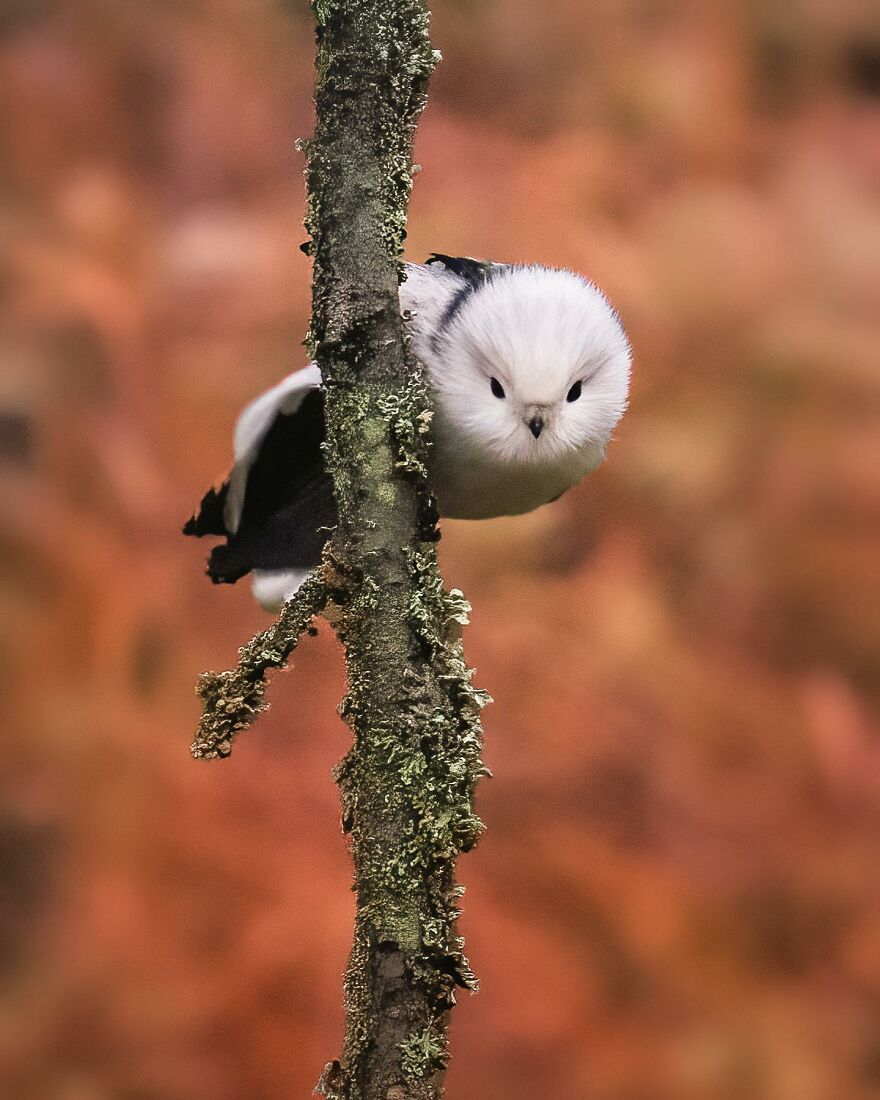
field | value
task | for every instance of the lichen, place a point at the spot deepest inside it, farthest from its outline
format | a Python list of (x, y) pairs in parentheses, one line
[(432, 608), (423, 1053), (409, 419), (232, 700)]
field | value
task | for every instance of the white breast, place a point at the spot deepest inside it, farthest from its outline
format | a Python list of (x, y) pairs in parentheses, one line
[(471, 485)]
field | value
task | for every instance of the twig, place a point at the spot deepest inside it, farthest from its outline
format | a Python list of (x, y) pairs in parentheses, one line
[(232, 700)]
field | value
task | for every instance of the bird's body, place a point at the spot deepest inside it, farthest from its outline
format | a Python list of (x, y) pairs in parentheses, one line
[(529, 372)]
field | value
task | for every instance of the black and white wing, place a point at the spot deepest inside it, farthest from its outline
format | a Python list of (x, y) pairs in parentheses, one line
[(474, 272), (276, 509)]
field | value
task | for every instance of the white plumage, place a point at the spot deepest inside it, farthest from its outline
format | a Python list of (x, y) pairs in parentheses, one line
[(529, 369)]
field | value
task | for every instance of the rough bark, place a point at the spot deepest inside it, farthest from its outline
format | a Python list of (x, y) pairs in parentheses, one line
[(407, 783)]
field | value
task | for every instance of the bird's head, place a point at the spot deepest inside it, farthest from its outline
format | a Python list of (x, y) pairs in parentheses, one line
[(533, 366)]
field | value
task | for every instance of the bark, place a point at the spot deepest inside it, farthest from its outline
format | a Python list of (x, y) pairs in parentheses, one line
[(407, 784)]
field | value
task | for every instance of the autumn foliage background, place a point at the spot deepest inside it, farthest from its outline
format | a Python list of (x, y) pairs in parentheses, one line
[(678, 896)]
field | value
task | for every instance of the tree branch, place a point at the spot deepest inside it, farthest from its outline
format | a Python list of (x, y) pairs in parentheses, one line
[(232, 700), (407, 783)]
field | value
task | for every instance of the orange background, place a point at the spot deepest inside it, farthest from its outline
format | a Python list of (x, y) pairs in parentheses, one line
[(677, 897)]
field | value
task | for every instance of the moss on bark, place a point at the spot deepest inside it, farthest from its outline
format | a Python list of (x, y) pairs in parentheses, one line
[(407, 783)]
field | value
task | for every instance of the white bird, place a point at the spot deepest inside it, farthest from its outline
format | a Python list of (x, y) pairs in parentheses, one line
[(529, 370)]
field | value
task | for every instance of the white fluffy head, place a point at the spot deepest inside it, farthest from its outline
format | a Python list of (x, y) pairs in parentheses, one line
[(533, 366)]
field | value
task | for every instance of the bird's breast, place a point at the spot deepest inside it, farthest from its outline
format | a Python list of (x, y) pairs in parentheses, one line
[(468, 486)]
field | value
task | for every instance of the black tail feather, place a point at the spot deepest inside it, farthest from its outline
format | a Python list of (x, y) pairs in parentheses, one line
[(208, 519)]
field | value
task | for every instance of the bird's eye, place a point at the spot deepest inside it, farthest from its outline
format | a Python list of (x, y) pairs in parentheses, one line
[(575, 391), (497, 388)]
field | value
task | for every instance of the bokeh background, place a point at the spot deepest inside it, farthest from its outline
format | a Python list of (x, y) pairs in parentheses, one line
[(677, 897)]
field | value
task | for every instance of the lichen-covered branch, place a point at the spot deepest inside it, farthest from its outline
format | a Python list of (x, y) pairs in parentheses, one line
[(232, 700), (407, 783)]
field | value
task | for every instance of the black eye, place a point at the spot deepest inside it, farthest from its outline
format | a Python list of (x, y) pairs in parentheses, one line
[(497, 388), (575, 391)]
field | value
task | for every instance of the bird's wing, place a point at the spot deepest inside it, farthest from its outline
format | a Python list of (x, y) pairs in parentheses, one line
[(252, 428), (277, 506), (290, 536), (208, 517), (474, 272)]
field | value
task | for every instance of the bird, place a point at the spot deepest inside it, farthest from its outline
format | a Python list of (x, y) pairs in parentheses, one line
[(528, 369)]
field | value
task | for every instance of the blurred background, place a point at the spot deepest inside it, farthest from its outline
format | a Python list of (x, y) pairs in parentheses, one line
[(677, 897)]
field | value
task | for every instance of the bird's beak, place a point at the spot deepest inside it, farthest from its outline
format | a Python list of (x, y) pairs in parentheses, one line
[(535, 426)]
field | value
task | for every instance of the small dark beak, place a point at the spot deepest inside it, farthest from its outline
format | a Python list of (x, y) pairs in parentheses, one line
[(536, 426)]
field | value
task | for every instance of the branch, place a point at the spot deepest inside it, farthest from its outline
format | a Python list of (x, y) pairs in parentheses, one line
[(407, 783), (232, 700)]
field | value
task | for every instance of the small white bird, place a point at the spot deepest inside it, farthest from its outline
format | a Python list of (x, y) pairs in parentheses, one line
[(529, 368)]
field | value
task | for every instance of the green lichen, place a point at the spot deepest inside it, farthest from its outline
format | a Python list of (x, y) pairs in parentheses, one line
[(433, 609), (407, 784), (322, 9), (423, 1052), (421, 763), (409, 419), (233, 700)]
